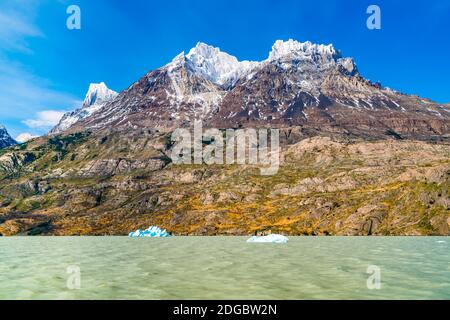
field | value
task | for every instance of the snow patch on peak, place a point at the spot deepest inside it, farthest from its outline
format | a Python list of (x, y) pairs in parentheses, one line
[(179, 57), (98, 93), (176, 62), (216, 66), (97, 96), (292, 49)]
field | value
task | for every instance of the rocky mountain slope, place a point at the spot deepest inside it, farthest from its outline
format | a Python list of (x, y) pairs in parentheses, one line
[(5, 138), (298, 84), (96, 184)]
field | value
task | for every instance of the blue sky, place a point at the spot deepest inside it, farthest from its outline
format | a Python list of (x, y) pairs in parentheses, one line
[(45, 69)]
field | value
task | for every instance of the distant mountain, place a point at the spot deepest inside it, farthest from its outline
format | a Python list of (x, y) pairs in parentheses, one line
[(97, 96), (299, 84), (5, 138)]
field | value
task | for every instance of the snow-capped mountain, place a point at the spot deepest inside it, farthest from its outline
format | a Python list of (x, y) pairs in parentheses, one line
[(299, 84), (216, 66), (97, 96), (5, 138), (173, 94)]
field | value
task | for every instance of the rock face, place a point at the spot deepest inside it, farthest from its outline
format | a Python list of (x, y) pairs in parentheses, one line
[(97, 184), (298, 84), (5, 138)]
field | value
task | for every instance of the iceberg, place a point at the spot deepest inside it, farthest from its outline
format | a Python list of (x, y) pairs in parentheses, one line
[(151, 232), (272, 238)]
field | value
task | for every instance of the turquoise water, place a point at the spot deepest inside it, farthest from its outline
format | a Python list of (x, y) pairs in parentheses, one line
[(222, 268)]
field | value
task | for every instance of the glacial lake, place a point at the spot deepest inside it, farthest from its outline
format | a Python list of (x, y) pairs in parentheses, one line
[(223, 268)]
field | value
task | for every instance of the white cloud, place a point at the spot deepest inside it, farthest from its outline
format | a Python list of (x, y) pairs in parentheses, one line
[(23, 95), (24, 137), (45, 119)]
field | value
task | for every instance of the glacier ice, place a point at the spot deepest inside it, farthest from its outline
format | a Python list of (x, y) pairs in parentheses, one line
[(272, 238), (151, 232)]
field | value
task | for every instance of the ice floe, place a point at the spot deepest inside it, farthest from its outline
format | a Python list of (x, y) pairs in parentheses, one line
[(151, 232), (272, 238)]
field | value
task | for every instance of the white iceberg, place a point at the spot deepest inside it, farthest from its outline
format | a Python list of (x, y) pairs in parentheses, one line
[(151, 232), (272, 238)]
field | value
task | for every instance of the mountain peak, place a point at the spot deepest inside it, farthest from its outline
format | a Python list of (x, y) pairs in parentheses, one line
[(203, 49), (303, 50), (179, 57), (5, 138), (97, 96), (211, 63), (98, 93)]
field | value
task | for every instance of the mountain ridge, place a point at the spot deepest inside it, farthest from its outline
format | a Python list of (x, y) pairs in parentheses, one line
[(298, 84)]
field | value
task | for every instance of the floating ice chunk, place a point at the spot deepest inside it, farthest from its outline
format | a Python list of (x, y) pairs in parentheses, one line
[(135, 234), (151, 232), (272, 238)]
